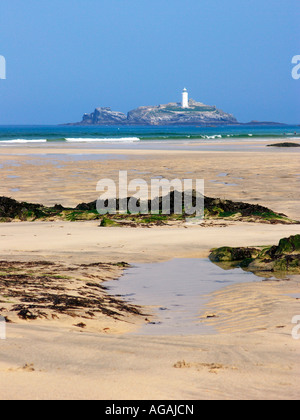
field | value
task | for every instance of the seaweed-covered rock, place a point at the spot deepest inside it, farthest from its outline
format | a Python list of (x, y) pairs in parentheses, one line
[(289, 263), (213, 207), (233, 254), (284, 257), (11, 209), (285, 144), (175, 201), (289, 245), (87, 206), (224, 208)]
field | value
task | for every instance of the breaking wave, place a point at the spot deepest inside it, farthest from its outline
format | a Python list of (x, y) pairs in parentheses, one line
[(22, 141), (71, 140), (103, 140)]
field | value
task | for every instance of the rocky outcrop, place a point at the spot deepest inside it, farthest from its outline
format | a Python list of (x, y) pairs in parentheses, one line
[(104, 116), (11, 209), (284, 257), (214, 208), (174, 114), (226, 254), (285, 144), (169, 114)]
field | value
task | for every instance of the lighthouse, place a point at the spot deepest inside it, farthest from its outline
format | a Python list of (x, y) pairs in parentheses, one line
[(185, 98)]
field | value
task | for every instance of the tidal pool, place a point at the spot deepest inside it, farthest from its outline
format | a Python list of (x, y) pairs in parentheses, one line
[(176, 291)]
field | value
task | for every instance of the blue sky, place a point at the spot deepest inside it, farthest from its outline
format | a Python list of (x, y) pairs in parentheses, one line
[(66, 57)]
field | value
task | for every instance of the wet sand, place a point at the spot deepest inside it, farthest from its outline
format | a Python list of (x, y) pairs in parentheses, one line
[(252, 355)]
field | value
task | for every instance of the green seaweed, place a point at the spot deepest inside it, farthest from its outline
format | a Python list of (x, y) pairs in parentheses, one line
[(214, 209), (106, 222), (284, 257)]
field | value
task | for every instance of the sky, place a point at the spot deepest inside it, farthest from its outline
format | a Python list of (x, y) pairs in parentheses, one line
[(66, 57)]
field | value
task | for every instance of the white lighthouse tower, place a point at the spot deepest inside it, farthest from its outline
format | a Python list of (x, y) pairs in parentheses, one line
[(185, 98)]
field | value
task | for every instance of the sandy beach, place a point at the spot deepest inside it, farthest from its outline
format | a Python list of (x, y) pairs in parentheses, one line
[(252, 354)]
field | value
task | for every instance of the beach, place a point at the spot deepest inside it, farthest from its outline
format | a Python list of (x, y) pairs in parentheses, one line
[(250, 355)]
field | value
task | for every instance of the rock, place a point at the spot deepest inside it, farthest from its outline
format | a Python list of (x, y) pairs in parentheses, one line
[(284, 257), (289, 245), (258, 265), (58, 207), (233, 254), (12, 209), (104, 116), (266, 123), (290, 263), (222, 207), (214, 208), (108, 223), (285, 144), (174, 114), (87, 206)]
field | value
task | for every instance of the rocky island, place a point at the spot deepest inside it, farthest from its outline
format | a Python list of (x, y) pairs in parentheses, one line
[(187, 112)]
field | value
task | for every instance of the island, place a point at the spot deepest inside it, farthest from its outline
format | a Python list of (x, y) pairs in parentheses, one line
[(187, 112)]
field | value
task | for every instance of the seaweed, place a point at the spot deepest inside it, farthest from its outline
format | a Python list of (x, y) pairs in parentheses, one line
[(281, 258), (34, 290), (214, 208)]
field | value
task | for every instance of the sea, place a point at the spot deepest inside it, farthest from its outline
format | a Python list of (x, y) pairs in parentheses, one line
[(64, 135)]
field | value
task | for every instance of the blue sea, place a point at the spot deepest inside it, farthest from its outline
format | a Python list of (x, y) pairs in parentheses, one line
[(31, 135)]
